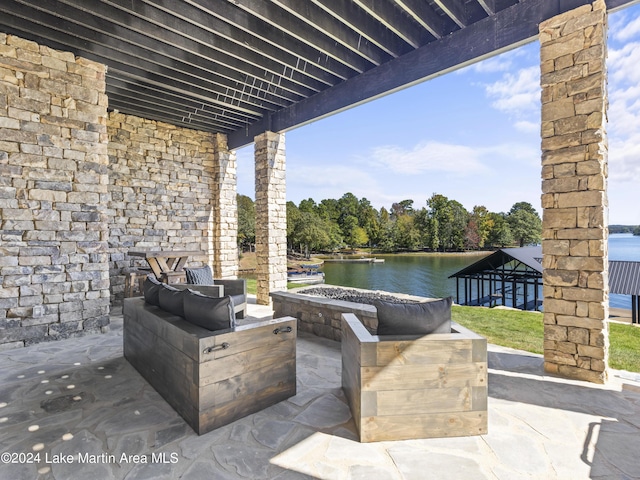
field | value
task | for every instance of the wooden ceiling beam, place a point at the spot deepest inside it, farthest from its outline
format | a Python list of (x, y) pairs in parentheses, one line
[(455, 10), (489, 6), (349, 14), (177, 120), (164, 100), (387, 14), (142, 35), (255, 31), (289, 25), (199, 21), (165, 28), (315, 17), (426, 16)]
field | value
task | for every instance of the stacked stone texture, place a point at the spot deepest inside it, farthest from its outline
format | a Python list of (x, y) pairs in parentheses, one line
[(271, 215), (54, 271), (162, 185), (574, 201), (225, 209)]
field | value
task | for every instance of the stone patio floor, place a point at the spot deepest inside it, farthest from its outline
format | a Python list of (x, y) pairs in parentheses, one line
[(79, 403)]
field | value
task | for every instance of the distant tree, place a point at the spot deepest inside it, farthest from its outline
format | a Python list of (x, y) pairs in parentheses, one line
[(308, 205), (525, 223), (471, 236), (329, 209), (368, 219), (246, 222), (500, 233), (406, 235), (421, 224), (448, 223), (350, 231), (441, 219), (348, 206), (293, 219), (310, 232), (636, 231), (480, 215), (405, 207), (458, 225)]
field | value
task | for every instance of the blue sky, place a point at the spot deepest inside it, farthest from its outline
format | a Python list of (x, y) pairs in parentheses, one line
[(472, 135)]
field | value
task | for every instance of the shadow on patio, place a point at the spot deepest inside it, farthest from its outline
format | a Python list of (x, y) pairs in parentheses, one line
[(78, 402)]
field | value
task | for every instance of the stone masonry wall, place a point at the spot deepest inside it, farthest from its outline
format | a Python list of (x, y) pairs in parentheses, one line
[(574, 173), (162, 184), (54, 278), (271, 215), (321, 316)]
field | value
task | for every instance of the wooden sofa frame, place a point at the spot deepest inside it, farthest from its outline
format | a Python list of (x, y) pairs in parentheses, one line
[(406, 387), (211, 378)]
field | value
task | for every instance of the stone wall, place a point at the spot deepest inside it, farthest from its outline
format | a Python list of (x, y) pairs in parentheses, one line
[(54, 278), (574, 173), (271, 215), (162, 183), (321, 316)]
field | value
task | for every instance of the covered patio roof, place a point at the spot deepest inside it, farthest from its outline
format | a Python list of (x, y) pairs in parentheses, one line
[(243, 67)]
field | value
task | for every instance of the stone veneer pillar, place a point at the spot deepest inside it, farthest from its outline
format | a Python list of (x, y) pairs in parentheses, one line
[(225, 209), (574, 199), (271, 215)]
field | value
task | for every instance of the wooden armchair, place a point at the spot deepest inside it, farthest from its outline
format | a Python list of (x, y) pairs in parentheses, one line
[(407, 387)]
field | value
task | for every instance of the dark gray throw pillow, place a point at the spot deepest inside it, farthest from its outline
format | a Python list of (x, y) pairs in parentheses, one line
[(151, 290), (208, 312), (199, 276), (171, 299), (414, 318)]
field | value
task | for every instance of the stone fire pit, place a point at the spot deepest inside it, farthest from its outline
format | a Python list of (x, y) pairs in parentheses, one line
[(319, 309)]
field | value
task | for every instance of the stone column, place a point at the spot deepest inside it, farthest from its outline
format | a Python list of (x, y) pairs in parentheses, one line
[(225, 210), (574, 199), (271, 215)]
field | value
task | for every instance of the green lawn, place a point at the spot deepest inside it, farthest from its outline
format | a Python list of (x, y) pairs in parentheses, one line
[(524, 331)]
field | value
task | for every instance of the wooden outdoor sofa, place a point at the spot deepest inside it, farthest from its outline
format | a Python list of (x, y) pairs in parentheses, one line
[(211, 378), (408, 387)]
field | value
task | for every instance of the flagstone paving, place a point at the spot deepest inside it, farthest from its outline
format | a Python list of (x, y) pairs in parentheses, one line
[(77, 409)]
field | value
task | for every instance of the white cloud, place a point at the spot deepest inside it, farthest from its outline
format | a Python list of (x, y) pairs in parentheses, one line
[(624, 63), (319, 181), (624, 108), (426, 157), (624, 159), (517, 94), (526, 126), (623, 30)]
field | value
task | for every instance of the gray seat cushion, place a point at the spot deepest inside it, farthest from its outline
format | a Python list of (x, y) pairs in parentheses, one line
[(151, 290), (212, 313), (238, 299), (171, 299), (414, 318)]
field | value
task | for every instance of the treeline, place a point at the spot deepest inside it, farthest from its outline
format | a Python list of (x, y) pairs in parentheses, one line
[(635, 229), (441, 225)]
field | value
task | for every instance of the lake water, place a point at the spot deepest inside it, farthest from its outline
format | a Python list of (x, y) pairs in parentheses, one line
[(427, 275)]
